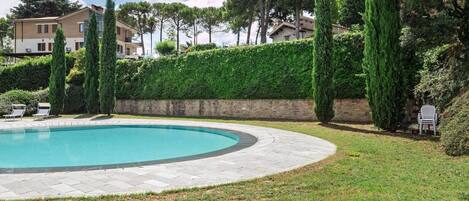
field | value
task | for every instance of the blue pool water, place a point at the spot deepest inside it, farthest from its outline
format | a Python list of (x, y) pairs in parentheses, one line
[(106, 145)]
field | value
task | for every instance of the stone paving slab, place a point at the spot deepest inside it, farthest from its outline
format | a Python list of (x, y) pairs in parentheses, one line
[(275, 151)]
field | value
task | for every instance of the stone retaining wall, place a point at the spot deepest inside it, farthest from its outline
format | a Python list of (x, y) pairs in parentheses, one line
[(349, 110)]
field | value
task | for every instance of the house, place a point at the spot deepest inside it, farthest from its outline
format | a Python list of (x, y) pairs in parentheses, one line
[(284, 31), (35, 36)]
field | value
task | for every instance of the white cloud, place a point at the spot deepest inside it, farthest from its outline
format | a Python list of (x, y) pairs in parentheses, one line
[(6, 6)]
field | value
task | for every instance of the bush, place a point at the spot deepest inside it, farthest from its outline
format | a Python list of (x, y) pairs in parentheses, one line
[(202, 47), (166, 48), (74, 100), (76, 77), (443, 76), (270, 71), (29, 74), (455, 126), (18, 97)]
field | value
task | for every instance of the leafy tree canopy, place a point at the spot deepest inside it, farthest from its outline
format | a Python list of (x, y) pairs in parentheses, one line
[(44, 8)]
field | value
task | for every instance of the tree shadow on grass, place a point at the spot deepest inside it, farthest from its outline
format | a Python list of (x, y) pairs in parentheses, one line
[(399, 133)]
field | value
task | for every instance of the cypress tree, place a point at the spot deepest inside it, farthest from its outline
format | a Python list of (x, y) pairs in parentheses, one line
[(386, 91), (108, 61), (57, 76), (92, 67), (323, 89)]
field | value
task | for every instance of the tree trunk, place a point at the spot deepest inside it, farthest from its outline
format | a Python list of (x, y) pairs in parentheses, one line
[(195, 33), (257, 33), (297, 18), (143, 44), (262, 20), (251, 18), (210, 35), (237, 40), (177, 40), (1, 42), (161, 30), (151, 43)]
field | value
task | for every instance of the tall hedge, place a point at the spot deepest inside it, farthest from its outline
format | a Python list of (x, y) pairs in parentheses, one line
[(271, 71), (107, 77), (19, 76), (323, 70), (386, 90), (57, 77), (92, 67)]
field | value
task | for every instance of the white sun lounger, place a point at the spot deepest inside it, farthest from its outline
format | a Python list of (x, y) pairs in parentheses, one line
[(17, 111), (43, 110)]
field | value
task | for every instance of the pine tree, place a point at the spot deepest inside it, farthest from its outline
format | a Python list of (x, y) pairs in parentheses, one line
[(323, 90), (385, 76), (92, 67), (350, 12), (57, 76), (108, 61)]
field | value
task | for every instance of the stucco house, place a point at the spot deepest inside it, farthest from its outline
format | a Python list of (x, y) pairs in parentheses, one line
[(284, 31), (35, 36)]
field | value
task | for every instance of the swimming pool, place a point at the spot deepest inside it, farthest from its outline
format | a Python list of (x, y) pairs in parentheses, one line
[(99, 147)]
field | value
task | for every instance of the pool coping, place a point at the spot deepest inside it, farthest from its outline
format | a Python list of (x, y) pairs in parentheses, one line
[(245, 140), (275, 151)]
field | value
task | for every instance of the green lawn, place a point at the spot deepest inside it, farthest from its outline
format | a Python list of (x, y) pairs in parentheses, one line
[(369, 165)]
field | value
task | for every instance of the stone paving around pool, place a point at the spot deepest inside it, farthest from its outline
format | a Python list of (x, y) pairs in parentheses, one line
[(275, 151)]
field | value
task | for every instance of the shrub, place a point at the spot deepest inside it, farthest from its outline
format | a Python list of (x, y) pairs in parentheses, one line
[(18, 97), (269, 71), (455, 126), (202, 47), (29, 74), (76, 77), (443, 76), (166, 48), (74, 99)]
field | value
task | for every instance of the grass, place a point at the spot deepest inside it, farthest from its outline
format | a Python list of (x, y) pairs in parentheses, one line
[(367, 166)]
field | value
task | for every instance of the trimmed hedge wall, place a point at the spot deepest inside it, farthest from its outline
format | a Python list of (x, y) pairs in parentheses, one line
[(271, 71), (29, 74)]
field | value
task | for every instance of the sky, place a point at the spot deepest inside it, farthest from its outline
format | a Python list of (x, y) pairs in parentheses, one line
[(220, 38)]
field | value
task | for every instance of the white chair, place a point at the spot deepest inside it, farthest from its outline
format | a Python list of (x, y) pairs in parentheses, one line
[(43, 110), (17, 111), (427, 116)]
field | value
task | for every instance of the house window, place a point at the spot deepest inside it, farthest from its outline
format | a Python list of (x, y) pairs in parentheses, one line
[(39, 28), (118, 31), (127, 51), (41, 47), (287, 37), (51, 46), (81, 27), (79, 45), (46, 28), (54, 28)]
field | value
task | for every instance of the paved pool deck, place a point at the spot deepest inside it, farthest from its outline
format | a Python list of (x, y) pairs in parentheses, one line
[(274, 152)]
